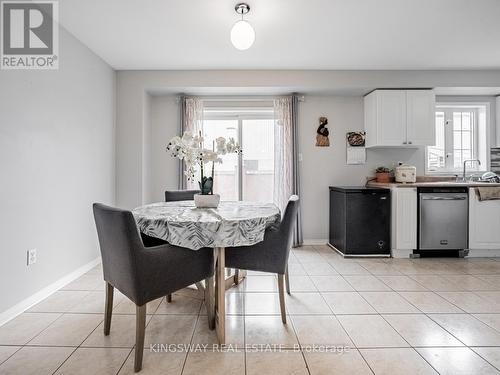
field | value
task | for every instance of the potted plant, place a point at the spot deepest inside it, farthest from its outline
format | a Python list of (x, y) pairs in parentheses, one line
[(383, 174), (190, 148)]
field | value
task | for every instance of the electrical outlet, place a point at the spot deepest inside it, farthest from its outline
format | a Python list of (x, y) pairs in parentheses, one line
[(31, 255)]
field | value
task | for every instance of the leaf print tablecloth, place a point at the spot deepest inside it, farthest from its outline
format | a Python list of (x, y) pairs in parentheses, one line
[(230, 224)]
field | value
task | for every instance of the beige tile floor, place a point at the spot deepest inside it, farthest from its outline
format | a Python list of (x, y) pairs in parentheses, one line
[(393, 316)]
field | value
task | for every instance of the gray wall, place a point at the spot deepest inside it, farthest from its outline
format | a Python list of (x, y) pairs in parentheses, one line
[(321, 166), (56, 157), (165, 125)]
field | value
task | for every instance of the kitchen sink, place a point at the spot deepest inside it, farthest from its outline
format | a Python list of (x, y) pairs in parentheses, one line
[(469, 182)]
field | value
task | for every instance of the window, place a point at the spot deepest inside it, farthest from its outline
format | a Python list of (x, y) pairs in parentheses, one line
[(250, 175), (460, 135)]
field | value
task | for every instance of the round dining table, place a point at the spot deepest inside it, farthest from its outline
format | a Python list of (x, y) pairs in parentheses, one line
[(231, 224)]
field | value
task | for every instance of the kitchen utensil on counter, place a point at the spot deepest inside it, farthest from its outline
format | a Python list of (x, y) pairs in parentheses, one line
[(490, 177), (405, 173)]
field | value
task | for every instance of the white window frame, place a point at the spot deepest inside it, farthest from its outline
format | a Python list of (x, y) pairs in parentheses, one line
[(239, 114), (484, 167)]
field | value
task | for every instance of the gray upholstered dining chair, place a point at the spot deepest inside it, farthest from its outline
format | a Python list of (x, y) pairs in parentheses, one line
[(180, 195), (175, 196), (142, 273), (270, 255)]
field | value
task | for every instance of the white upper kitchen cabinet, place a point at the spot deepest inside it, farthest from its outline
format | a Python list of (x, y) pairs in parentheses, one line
[(399, 118)]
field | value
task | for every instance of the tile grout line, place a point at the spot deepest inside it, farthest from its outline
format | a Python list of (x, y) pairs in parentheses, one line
[(80, 345), (411, 346), (344, 329), (73, 352), (379, 314), (485, 359), (427, 315), (322, 296), (63, 362), (190, 342), (474, 315), (433, 292), (378, 277), (414, 348), (125, 361), (15, 351), (298, 340)]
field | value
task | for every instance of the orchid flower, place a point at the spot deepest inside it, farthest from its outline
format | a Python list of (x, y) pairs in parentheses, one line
[(189, 148)]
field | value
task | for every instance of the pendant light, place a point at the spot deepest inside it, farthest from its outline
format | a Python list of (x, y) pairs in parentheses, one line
[(242, 33)]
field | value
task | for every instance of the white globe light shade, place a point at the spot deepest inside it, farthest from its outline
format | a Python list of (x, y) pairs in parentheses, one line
[(242, 35)]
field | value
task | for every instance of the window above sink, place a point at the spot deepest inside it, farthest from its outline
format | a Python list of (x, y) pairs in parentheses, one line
[(461, 134)]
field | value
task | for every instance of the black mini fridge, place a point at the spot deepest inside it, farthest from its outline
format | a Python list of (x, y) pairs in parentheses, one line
[(360, 220)]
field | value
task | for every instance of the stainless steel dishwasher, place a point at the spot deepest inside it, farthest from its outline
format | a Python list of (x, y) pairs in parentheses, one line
[(443, 218)]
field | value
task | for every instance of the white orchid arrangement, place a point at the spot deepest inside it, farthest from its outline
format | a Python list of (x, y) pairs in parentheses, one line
[(190, 148)]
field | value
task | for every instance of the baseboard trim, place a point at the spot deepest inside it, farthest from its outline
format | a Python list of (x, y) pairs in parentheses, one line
[(32, 300), (398, 253), (483, 253), (309, 242)]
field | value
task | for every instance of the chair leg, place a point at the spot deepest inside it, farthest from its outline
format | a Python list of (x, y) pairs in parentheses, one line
[(287, 280), (140, 329), (281, 289), (169, 298), (108, 308)]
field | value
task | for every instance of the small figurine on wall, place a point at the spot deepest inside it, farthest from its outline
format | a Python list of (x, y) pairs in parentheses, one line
[(322, 133)]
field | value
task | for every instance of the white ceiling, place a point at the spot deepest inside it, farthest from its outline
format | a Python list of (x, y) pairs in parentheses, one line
[(290, 34)]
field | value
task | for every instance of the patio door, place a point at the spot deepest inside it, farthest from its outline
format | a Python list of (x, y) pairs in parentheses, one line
[(248, 176)]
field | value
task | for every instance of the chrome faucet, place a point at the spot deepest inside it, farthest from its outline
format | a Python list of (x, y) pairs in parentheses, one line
[(464, 179)]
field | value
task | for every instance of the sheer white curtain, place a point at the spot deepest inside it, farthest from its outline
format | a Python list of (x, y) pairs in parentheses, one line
[(191, 117), (286, 167)]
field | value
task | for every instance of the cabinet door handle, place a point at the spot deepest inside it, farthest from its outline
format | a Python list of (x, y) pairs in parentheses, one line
[(404, 143), (409, 142)]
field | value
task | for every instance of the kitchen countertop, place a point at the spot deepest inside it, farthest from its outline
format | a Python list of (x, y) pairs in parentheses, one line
[(431, 184)]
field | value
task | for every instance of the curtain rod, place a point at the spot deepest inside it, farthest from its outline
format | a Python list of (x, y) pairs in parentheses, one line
[(236, 98)]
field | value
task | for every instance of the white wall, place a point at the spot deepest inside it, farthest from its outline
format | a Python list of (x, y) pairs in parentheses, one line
[(56, 158), (497, 118), (321, 166), (326, 166), (332, 93)]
